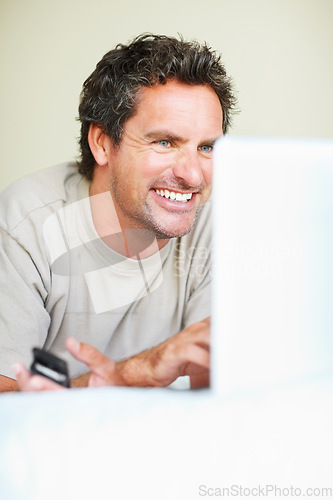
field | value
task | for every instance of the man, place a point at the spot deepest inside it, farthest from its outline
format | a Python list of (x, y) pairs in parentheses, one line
[(115, 254)]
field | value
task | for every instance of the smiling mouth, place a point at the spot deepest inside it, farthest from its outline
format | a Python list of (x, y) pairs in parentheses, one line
[(174, 195)]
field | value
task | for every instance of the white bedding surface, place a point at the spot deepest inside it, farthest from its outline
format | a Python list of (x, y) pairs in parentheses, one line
[(125, 443)]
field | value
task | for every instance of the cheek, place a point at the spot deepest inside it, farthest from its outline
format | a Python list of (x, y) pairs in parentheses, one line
[(207, 172), (156, 163)]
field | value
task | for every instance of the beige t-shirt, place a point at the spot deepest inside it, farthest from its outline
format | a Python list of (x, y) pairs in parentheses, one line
[(59, 279)]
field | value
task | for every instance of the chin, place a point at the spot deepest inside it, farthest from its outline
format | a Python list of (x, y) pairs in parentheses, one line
[(166, 233), (173, 227)]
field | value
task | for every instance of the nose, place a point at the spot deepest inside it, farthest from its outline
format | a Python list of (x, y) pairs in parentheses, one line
[(188, 167)]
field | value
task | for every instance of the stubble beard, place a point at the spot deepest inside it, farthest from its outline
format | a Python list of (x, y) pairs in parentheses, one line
[(147, 221), (159, 230)]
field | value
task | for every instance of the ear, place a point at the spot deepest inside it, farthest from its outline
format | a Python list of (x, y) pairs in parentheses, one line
[(98, 141)]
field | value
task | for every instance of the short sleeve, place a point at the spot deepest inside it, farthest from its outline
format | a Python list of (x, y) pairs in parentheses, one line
[(24, 321)]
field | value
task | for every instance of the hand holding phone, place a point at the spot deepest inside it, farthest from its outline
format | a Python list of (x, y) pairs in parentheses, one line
[(50, 366)]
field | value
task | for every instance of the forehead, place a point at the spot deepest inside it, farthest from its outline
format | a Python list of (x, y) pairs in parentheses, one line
[(191, 108)]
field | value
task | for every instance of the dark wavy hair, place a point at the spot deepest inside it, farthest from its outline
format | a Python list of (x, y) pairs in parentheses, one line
[(109, 95)]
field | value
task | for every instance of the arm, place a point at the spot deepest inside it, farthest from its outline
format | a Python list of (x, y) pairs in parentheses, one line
[(186, 353), (8, 384)]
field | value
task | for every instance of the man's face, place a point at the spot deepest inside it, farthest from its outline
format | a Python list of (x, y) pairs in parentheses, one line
[(160, 174)]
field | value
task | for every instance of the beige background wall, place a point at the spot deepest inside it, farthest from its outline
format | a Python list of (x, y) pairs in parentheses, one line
[(279, 53)]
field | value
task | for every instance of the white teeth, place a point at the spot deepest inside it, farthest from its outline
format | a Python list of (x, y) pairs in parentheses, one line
[(174, 196)]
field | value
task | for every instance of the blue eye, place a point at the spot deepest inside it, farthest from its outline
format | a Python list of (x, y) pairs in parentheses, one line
[(206, 149), (164, 143)]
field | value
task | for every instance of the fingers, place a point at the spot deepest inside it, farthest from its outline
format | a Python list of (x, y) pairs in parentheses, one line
[(187, 353), (104, 370), (28, 382), (89, 355), (198, 333), (192, 344), (196, 355)]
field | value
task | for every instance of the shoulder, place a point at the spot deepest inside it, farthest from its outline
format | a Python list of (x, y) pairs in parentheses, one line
[(37, 192)]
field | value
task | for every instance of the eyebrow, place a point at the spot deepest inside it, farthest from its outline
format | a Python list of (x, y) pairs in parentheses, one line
[(158, 134), (165, 134)]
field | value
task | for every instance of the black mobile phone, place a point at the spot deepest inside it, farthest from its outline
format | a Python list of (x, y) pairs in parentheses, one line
[(50, 366)]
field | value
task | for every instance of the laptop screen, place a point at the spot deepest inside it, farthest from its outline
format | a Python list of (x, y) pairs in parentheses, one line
[(273, 252)]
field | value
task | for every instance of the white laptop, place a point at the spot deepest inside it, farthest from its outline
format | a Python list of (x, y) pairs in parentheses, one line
[(273, 274)]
